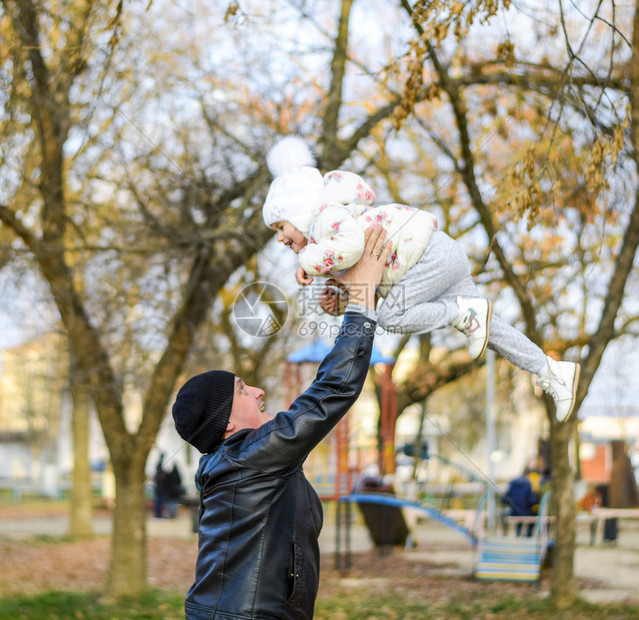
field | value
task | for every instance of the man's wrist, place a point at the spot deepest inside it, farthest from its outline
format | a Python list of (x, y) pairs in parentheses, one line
[(368, 312), (361, 294)]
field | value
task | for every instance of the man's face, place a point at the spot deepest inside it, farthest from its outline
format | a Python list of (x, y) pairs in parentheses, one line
[(248, 410)]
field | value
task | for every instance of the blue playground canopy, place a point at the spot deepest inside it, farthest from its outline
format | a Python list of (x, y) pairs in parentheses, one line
[(318, 349)]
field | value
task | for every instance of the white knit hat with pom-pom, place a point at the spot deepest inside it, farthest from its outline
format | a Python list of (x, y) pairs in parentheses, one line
[(297, 187)]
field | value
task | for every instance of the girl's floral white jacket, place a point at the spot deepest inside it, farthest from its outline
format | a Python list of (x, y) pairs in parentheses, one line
[(336, 236)]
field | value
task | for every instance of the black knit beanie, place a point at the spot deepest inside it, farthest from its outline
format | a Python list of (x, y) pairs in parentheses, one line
[(202, 408)]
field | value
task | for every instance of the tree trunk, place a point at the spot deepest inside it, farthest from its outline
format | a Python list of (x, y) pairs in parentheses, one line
[(81, 509), (563, 589), (128, 566)]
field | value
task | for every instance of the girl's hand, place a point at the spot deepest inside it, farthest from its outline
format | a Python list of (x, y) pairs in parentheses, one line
[(302, 278), (334, 298)]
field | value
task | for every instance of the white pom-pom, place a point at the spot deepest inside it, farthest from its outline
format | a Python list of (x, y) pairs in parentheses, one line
[(290, 152)]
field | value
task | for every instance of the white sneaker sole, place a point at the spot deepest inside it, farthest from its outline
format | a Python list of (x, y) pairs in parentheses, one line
[(489, 315), (575, 384)]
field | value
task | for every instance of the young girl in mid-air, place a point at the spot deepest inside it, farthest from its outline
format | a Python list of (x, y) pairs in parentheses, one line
[(323, 218)]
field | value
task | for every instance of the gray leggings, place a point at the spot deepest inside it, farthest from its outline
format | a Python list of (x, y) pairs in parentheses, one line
[(424, 299)]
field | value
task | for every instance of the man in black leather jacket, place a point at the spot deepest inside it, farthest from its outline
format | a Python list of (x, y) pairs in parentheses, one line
[(260, 518)]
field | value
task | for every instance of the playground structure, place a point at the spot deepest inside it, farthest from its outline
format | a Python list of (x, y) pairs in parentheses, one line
[(383, 513), (499, 557), (387, 526), (496, 556), (499, 552)]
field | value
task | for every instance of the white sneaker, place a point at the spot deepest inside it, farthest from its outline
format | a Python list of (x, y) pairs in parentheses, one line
[(560, 381), (473, 321)]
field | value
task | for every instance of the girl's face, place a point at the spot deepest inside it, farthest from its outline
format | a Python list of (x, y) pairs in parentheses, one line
[(290, 236)]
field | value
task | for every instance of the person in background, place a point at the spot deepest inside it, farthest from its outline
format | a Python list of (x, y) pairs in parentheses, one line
[(590, 501), (174, 491), (160, 488), (520, 500)]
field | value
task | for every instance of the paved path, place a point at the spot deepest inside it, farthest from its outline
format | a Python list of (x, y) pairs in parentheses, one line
[(611, 571)]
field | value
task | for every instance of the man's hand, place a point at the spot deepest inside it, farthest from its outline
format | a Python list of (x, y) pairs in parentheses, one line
[(362, 279), (302, 278)]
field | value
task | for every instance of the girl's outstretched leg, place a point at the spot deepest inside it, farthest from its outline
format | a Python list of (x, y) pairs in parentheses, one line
[(559, 379)]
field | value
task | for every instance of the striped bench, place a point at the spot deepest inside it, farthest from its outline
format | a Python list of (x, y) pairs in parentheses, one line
[(509, 559), (500, 558)]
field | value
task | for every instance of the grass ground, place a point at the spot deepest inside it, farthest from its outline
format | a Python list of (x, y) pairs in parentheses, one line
[(49, 579), (162, 605), (60, 578)]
